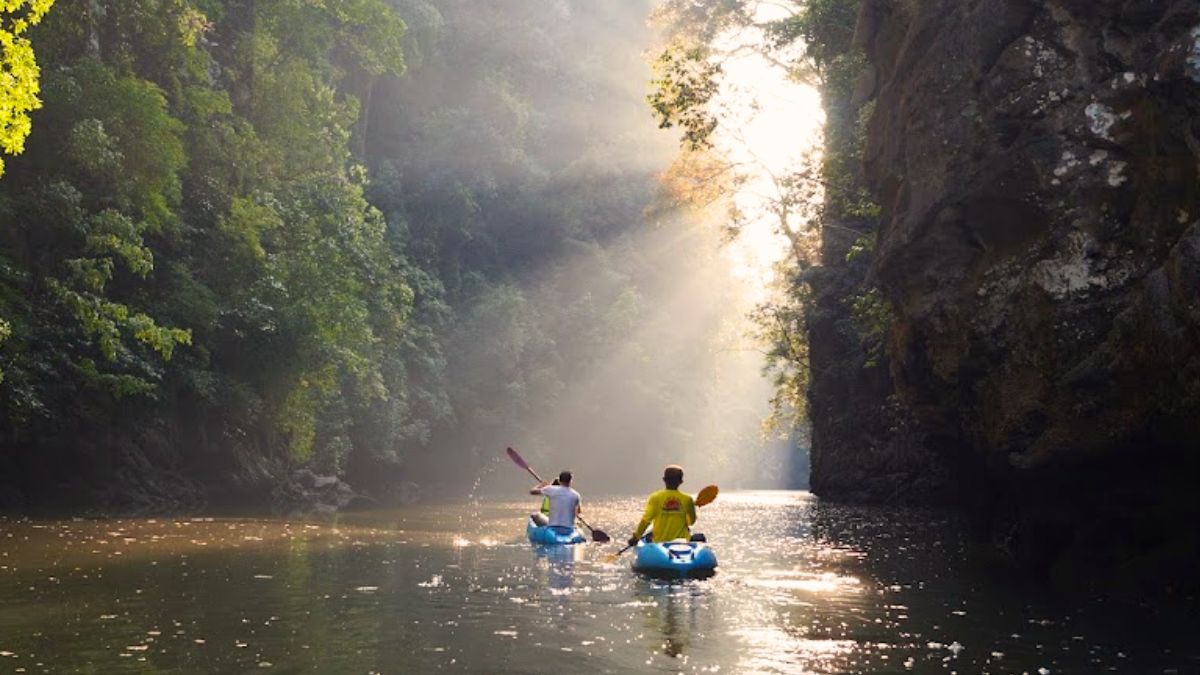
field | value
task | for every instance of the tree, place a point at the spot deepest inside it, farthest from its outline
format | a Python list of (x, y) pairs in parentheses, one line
[(822, 194), (19, 72)]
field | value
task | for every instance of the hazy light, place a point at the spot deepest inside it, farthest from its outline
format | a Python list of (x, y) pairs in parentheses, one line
[(682, 386), (657, 364), (773, 123)]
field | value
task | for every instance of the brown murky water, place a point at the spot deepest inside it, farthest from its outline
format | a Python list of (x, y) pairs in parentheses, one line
[(802, 588)]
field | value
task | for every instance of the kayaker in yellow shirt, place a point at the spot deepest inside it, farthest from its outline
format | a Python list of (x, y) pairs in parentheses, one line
[(546, 500), (670, 511)]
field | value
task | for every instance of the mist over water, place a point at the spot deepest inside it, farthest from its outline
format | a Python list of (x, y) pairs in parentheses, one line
[(681, 386), (674, 378), (624, 344)]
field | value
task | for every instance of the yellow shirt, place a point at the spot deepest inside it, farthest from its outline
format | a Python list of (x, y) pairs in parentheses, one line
[(671, 512)]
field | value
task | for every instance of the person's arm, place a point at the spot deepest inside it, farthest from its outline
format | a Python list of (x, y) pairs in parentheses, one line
[(691, 512), (538, 490), (647, 518)]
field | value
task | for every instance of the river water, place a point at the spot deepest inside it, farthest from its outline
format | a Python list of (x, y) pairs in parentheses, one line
[(802, 587)]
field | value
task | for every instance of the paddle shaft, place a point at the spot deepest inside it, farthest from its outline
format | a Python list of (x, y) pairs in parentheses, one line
[(534, 474), (618, 553)]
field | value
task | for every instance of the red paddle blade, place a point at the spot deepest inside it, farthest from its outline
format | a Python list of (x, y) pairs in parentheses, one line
[(706, 496), (512, 454)]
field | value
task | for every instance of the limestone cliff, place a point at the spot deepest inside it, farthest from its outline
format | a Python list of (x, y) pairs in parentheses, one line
[(1039, 244)]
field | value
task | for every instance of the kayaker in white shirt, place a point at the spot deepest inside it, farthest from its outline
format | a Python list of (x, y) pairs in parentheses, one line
[(564, 501)]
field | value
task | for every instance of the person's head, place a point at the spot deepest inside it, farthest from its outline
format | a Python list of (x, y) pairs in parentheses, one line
[(556, 482), (673, 476), (564, 478)]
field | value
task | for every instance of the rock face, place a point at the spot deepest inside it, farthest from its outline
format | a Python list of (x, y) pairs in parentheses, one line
[(863, 448), (308, 493), (1037, 167)]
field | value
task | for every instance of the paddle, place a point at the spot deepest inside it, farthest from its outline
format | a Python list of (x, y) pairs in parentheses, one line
[(703, 498), (598, 536)]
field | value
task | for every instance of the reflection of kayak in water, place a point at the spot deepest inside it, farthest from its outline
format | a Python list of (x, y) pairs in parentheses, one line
[(551, 535), (560, 563), (675, 559)]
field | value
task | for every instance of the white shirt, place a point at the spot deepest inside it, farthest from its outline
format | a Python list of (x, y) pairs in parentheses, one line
[(563, 503)]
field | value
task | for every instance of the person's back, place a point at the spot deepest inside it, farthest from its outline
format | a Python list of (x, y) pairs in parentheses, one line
[(564, 501), (671, 512)]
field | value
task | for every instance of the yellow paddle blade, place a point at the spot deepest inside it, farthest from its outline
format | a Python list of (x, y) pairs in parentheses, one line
[(707, 495)]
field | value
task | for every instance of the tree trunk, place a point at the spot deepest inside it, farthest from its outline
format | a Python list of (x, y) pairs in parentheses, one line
[(95, 14)]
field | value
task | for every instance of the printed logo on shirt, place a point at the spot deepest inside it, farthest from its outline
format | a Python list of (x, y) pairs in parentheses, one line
[(671, 505)]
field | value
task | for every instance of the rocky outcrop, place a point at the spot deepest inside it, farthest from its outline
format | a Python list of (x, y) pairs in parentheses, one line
[(1037, 168), (863, 448), (308, 493)]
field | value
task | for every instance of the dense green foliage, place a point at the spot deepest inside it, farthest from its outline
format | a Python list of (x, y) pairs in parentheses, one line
[(249, 234), (685, 85)]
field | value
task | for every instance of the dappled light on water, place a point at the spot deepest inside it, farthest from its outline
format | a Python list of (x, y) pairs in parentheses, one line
[(779, 650), (802, 587), (824, 583)]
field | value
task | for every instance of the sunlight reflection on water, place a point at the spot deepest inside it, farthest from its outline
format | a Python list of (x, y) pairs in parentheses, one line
[(778, 651), (803, 587), (819, 583)]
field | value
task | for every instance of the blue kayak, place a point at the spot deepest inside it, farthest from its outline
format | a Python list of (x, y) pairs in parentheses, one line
[(675, 559), (551, 535)]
